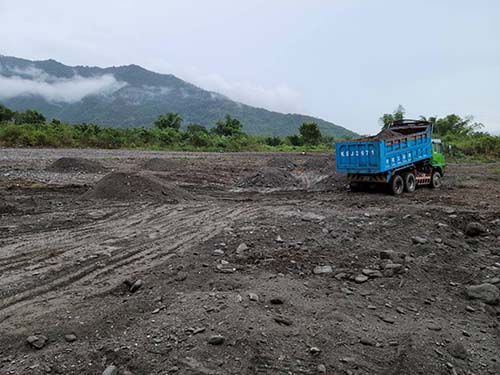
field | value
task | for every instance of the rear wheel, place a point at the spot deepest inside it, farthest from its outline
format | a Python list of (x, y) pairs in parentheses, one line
[(410, 182), (436, 180), (355, 186), (396, 185)]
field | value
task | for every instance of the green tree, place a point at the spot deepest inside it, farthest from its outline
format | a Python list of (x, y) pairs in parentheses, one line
[(388, 119), (310, 133), (454, 124), (170, 120), (295, 140), (273, 141), (29, 116), (199, 139), (228, 127), (5, 114), (195, 128)]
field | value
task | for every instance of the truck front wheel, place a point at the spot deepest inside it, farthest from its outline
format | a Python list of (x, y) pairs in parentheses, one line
[(410, 182), (396, 185), (436, 180)]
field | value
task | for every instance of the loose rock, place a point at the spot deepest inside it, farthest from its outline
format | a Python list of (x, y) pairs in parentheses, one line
[(110, 370), (314, 350), (280, 319), (70, 337), (216, 340), (488, 293), (253, 297), (458, 350), (418, 240), (361, 279), (276, 301), (368, 341), (37, 341), (136, 286), (474, 229), (320, 270), (241, 249)]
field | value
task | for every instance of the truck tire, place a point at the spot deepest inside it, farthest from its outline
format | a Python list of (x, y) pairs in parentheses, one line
[(355, 186), (396, 185), (436, 180), (410, 182)]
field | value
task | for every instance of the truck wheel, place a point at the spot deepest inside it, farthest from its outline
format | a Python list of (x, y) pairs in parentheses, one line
[(436, 180), (410, 182), (355, 186), (396, 185)]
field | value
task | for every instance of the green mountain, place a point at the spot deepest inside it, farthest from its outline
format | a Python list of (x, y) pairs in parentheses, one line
[(130, 96)]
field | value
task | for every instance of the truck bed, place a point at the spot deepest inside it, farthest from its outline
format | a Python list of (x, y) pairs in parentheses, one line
[(373, 155)]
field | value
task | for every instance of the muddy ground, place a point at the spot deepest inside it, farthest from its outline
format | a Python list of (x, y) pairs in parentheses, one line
[(242, 264)]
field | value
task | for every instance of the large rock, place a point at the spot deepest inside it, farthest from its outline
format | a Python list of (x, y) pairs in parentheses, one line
[(488, 293), (458, 350), (474, 229), (37, 341), (110, 370), (321, 270)]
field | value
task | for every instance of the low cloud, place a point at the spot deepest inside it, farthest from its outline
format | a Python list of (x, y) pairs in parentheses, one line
[(280, 98), (35, 82)]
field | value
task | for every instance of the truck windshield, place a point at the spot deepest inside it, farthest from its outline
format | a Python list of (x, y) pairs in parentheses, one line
[(437, 147)]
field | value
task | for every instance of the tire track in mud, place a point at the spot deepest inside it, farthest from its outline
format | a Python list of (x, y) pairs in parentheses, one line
[(177, 230)]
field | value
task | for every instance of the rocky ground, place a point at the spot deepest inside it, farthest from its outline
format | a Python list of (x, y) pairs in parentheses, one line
[(186, 263)]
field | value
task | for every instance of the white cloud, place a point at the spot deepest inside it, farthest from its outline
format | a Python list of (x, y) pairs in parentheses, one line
[(280, 98), (55, 89)]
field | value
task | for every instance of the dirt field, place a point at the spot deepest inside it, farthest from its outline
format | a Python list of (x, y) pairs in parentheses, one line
[(242, 264)]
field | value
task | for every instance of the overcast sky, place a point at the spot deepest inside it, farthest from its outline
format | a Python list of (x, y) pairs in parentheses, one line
[(347, 61)]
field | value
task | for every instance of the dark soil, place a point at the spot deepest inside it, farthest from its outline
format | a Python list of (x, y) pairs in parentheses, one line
[(72, 165), (272, 178), (319, 163), (383, 135), (281, 162), (162, 165), (304, 280), (136, 187)]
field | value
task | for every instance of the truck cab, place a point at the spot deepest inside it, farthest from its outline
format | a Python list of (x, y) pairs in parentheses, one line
[(438, 161)]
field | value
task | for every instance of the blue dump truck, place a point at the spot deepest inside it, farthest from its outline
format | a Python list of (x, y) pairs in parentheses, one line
[(400, 157)]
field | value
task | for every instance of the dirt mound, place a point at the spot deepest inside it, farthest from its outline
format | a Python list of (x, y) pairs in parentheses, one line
[(136, 187), (319, 163), (69, 165), (383, 135), (273, 178), (331, 182), (281, 162), (162, 165)]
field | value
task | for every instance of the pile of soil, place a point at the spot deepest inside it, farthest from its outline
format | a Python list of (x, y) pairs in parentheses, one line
[(162, 165), (137, 187), (72, 165), (383, 135), (330, 183), (318, 163), (273, 178), (281, 162)]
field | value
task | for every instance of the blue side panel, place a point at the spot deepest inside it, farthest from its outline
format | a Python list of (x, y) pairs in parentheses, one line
[(371, 157)]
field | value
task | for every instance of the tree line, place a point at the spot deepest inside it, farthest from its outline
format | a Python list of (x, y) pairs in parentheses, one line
[(31, 129), (462, 133)]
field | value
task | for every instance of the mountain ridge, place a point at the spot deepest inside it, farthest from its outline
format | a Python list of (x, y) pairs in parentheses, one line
[(130, 96)]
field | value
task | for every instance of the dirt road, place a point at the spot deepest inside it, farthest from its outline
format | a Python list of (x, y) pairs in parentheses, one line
[(194, 263)]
